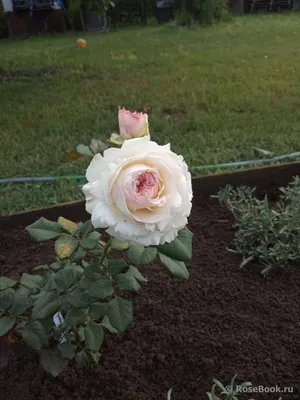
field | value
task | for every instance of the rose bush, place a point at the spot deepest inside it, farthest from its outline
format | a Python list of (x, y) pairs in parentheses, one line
[(132, 125), (141, 192)]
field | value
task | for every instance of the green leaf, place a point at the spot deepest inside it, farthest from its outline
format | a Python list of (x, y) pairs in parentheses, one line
[(101, 289), (220, 385), (65, 246), (46, 305), (78, 299), (89, 244), (6, 324), (97, 146), (212, 397), (47, 324), (67, 277), (94, 235), (116, 139), (49, 283), (119, 245), (116, 267), (56, 266), (94, 272), (6, 298), (65, 307), (141, 255), (31, 281), (106, 324), (120, 313), (67, 350), (97, 251), (6, 282), (59, 333), (81, 359), (43, 229), (86, 228), (169, 394), (133, 271), (81, 334), (264, 152), (52, 363), (95, 356), (90, 241), (84, 283), (20, 302), (94, 146), (75, 317), (84, 150), (176, 268), (34, 335), (43, 267), (98, 310), (78, 256), (35, 297), (94, 336), (127, 283), (181, 248)]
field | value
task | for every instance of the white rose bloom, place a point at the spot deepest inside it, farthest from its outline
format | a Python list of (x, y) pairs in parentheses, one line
[(141, 192)]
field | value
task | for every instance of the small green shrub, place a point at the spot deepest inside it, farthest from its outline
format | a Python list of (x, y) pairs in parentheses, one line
[(183, 18), (100, 7), (208, 12), (203, 12), (3, 25), (269, 233), (229, 392), (74, 15), (221, 392)]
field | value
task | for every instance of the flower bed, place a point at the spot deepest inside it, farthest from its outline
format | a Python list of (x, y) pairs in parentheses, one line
[(221, 322)]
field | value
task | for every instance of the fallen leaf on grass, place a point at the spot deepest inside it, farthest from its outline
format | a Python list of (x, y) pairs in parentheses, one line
[(29, 122), (73, 155)]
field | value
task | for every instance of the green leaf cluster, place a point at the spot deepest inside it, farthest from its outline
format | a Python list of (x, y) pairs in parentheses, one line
[(171, 255), (95, 146), (64, 310)]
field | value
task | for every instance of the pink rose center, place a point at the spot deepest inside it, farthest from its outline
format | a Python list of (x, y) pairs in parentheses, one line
[(140, 187), (146, 185)]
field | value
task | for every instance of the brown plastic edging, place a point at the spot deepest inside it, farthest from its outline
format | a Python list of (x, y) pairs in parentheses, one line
[(203, 187)]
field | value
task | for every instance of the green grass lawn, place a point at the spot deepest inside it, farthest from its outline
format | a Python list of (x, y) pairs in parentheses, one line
[(215, 93)]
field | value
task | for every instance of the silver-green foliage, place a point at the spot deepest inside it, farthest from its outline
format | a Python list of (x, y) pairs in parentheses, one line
[(221, 392), (229, 392), (269, 233)]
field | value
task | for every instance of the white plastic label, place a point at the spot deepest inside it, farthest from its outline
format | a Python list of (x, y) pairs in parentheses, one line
[(58, 319)]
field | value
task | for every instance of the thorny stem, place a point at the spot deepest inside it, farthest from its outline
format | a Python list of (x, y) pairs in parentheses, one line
[(105, 251)]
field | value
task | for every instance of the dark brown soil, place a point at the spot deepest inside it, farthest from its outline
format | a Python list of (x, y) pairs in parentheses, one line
[(223, 321)]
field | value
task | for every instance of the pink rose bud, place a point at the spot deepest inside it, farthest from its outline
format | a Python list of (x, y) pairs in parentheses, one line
[(132, 125)]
